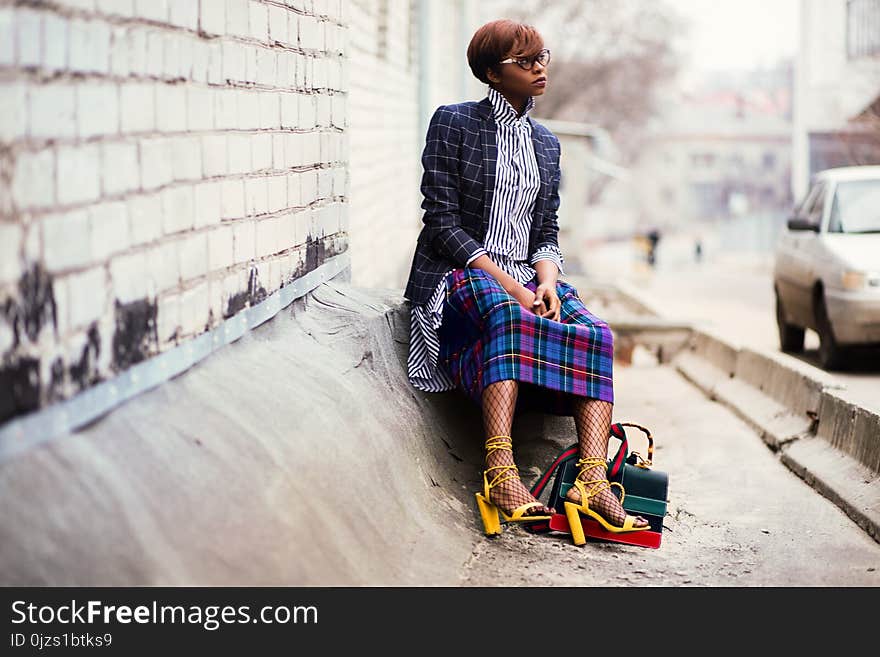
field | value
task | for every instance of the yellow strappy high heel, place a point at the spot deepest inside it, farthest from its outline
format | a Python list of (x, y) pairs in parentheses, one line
[(573, 510), (488, 510)]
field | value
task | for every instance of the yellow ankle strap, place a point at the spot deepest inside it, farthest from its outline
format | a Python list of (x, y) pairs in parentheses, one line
[(598, 485), (493, 444)]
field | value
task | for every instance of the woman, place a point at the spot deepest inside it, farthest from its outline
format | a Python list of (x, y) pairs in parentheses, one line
[(489, 315)]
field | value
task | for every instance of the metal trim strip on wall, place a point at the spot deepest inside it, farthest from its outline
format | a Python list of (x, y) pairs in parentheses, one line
[(22, 433)]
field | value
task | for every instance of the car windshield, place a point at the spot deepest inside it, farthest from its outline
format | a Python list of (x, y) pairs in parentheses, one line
[(856, 207)]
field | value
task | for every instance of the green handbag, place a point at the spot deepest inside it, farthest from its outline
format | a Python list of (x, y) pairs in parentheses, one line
[(646, 489)]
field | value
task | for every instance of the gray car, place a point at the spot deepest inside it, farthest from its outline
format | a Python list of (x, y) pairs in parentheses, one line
[(827, 265)]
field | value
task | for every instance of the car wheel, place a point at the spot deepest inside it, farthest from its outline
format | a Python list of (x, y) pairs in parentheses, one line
[(831, 355), (791, 337)]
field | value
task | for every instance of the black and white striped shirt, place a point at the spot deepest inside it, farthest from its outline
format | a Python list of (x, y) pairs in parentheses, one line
[(507, 239)]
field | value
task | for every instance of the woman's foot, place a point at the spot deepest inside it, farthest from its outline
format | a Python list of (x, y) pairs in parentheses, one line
[(605, 503), (512, 493)]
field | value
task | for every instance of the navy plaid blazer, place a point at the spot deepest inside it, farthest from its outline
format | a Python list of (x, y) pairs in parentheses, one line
[(458, 185)]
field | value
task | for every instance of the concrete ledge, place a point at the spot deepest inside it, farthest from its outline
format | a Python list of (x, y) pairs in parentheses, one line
[(822, 435), (840, 478), (296, 455), (850, 428)]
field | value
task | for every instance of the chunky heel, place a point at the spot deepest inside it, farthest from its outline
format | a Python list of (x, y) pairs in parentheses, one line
[(574, 523), (489, 514)]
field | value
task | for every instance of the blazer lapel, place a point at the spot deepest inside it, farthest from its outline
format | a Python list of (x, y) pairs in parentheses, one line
[(490, 156)]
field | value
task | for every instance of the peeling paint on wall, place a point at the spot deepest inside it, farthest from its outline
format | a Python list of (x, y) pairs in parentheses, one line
[(33, 309), (135, 337), (20, 382), (314, 253), (256, 292), (85, 372)]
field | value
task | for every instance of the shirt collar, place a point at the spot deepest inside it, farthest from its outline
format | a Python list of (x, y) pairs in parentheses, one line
[(504, 112)]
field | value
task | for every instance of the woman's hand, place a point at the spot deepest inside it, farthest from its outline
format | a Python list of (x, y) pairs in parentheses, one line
[(545, 293), (525, 297)]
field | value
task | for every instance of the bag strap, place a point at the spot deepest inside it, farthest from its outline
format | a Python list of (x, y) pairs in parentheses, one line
[(616, 463), (635, 458), (569, 452)]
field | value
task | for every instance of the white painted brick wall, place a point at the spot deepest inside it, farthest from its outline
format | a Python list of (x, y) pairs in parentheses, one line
[(137, 106), (239, 153), (215, 160), (88, 296), (232, 199), (108, 229), (145, 215), (261, 153), (178, 209), (156, 164), (186, 158), (89, 46), (52, 111), (157, 151), (243, 244), (163, 266), (207, 203), (171, 105), (212, 16), (97, 110), (193, 256), (78, 174), (32, 182), (120, 168), (11, 237), (194, 308), (168, 321), (220, 248), (66, 241), (256, 194), (127, 277)]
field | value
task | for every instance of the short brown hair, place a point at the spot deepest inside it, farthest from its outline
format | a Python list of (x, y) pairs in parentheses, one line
[(494, 40)]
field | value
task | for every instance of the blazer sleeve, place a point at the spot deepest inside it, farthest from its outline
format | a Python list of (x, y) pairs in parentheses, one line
[(440, 188)]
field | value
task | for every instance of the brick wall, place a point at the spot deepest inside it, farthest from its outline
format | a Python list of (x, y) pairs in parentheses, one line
[(385, 167), (408, 57), (163, 164)]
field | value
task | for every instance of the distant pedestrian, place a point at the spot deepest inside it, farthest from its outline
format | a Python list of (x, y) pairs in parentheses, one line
[(653, 239)]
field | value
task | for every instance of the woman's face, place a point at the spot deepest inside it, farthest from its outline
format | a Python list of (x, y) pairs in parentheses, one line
[(517, 81)]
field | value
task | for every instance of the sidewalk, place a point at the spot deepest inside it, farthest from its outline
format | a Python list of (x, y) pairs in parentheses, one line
[(736, 517)]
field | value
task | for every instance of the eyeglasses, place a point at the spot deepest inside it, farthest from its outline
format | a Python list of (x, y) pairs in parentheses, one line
[(543, 58)]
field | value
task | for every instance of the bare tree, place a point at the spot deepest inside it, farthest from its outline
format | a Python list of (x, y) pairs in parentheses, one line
[(862, 141), (610, 58)]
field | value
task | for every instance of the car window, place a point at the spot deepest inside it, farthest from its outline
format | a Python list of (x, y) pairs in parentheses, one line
[(814, 214), (803, 209), (856, 207)]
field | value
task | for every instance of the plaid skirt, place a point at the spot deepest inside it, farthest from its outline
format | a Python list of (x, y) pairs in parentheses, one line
[(487, 336)]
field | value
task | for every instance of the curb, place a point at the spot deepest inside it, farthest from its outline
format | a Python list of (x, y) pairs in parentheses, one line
[(823, 436)]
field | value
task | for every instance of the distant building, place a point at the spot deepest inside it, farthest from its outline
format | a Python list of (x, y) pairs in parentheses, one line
[(836, 86), (718, 151)]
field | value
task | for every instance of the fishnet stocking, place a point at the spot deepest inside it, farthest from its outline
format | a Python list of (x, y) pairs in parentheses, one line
[(499, 403), (592, 417)]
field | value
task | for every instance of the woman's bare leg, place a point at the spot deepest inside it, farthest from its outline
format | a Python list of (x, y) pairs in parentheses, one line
[(592, 417), (499, 403)]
